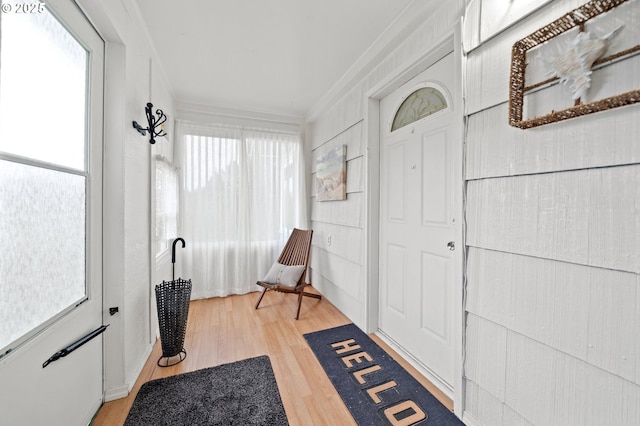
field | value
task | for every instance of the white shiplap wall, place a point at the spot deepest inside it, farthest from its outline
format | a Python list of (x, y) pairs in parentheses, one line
[(133, 77), (338, 251), (553, 225), (338, 269)]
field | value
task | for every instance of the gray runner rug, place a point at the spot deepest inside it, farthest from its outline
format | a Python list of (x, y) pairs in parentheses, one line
[(240, 393)]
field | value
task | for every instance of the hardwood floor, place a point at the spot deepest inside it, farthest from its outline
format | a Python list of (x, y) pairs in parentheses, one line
[(223, 330)]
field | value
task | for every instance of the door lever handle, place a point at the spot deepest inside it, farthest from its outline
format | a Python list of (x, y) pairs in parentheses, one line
[(75, 345), (451, 245)]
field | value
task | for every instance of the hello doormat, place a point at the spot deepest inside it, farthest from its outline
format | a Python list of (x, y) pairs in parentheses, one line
[(240, 393), (375, 388)]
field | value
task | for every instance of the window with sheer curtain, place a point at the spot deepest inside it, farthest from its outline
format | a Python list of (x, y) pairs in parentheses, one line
[(166, 204), (243, 191)]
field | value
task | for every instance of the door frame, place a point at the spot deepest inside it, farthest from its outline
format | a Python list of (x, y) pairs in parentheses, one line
[(451, 42), (115, 383)]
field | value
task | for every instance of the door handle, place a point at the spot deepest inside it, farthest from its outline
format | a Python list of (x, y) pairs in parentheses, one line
[(75, 345), (451, 245)]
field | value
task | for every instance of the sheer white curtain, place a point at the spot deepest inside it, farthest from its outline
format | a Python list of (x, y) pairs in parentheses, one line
[(242, 192)]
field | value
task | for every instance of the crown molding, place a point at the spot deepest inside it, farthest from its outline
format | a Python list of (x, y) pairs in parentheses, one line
[(202, 112), (414, 15)]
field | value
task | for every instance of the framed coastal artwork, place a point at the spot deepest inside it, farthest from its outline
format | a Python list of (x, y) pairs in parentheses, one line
[(331, 175)]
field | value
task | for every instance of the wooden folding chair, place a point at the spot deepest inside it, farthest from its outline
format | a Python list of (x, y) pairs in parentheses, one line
[(295, 253)]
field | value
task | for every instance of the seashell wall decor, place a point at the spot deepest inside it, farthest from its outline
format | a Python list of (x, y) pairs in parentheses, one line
[(573, 63)]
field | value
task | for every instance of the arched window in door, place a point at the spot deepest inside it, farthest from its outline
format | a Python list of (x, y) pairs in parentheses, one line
[(419, 104)]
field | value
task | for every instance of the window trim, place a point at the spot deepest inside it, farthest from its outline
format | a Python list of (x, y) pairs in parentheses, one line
[(427, 84), (160, 255)]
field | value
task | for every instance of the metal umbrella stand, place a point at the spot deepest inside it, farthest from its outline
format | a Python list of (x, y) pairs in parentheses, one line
[(172, 300)]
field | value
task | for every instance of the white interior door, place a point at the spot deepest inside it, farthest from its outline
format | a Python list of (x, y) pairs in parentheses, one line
[(50, 213), (419, 221)]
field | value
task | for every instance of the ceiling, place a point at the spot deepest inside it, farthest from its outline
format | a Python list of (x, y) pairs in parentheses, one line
[(271, 56)]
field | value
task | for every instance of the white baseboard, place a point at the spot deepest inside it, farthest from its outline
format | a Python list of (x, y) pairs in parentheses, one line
[(117, 393), (123, 391)]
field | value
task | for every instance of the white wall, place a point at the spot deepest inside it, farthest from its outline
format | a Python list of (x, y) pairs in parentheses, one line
[(552, 309), (132, 79), (340, 269), (553, 306), (337, 258)]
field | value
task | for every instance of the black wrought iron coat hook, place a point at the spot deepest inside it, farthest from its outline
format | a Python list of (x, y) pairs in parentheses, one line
[(154, 123)]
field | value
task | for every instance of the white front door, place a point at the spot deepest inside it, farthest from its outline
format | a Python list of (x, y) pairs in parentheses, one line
[(51, 74), (420, 221)]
